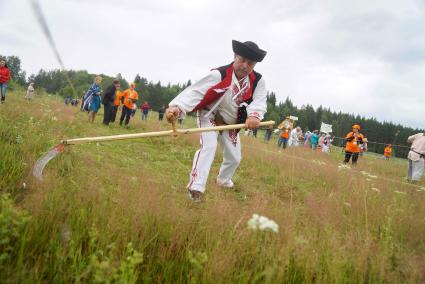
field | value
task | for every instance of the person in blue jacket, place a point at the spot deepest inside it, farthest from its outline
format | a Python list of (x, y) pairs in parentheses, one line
[(314, 139)]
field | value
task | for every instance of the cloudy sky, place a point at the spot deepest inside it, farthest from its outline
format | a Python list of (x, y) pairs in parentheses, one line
[(363, 57)]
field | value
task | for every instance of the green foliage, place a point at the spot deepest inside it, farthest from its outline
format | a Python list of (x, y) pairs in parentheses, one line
[(103, 269), (12, 225)]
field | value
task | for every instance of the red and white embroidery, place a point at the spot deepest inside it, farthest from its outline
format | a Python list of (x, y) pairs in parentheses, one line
[(233, 134)]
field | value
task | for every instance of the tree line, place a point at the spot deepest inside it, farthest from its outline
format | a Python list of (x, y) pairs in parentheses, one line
[(158, 95)]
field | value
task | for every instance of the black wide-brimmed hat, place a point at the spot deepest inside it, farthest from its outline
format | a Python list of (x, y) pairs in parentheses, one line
[(249, 50)]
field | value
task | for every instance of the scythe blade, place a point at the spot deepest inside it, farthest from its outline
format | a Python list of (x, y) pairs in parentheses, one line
[(41, 163)]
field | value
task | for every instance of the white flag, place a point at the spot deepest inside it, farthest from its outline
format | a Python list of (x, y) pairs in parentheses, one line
[(326, 128)]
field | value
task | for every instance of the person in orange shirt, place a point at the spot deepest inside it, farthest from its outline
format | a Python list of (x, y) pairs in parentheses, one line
[(130, 97), (352, 147), (117, 103), (285, 127), (387, 152)]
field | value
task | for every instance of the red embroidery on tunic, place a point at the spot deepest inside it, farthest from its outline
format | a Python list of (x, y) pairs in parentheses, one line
[(233, 134)]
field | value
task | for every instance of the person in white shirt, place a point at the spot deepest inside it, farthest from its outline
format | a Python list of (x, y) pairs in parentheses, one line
[(230, 94), (416, 157), (30, 92)]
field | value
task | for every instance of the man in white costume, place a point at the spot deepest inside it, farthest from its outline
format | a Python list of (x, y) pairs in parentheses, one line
[(416, 157), (230, 94)]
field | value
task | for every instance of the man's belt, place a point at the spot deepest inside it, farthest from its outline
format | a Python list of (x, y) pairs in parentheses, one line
[(421, 155)]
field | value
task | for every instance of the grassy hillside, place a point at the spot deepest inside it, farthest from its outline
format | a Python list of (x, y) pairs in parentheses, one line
[(117, 212)]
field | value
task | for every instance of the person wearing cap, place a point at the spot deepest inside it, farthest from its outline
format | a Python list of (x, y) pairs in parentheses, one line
[(108, 101), (352, 147), (130, 98), (230, 94), (416, 157), (4, 78), (387, 152)]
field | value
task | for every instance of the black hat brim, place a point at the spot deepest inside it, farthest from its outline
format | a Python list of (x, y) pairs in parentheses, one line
[(248, 51)]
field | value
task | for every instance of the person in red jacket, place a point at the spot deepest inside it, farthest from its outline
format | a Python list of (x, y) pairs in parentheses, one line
[(4, 78), (145, 110)]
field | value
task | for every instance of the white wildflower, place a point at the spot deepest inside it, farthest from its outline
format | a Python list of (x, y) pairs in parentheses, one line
[(262, 223), (24, 185), (18, 139), (375, 189), (372, 176), (54, 118), (347, 204), (399, 192)]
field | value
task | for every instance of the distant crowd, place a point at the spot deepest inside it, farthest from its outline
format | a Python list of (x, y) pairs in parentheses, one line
[(114, 100)]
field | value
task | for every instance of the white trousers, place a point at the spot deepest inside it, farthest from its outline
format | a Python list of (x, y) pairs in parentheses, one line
[(415, 170), (229, 143)]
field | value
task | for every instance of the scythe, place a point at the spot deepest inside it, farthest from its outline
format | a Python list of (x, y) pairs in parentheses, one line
[(55, 151)]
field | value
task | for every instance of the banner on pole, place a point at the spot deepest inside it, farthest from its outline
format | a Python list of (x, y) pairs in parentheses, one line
[(326, 128), (294, 118)]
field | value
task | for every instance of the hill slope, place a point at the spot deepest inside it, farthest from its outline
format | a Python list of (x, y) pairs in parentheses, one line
[(118, 211)]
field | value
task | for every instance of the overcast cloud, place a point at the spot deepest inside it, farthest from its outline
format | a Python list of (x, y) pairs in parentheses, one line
[(361, 57)]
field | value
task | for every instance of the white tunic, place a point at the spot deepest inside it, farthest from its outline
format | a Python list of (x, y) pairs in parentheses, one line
[(418, 146), (229, 103)]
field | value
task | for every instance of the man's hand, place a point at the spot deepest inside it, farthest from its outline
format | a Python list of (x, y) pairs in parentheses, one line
[(252, 122), (172, 113)]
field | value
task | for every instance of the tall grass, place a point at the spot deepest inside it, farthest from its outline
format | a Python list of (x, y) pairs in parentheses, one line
[(118, 212)]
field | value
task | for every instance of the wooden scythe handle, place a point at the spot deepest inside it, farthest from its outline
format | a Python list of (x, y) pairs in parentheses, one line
[(158, 133)]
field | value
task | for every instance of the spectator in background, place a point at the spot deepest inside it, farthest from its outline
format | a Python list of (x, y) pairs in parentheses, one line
[(268, 133), (321, 140), (30, 92), (352, 147), (108, 101), (161, 112), (82, 101), (314, 139), (130, 98), (117, 102), (387, 152), (285, 128), (327, 141), (94, 106), (363, 147), (4, 78), (145, 110), (416, 157), (307, 137), (296, 136), (93, 90)]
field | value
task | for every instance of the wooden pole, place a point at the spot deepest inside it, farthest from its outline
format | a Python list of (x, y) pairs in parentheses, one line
[(157, 133)]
